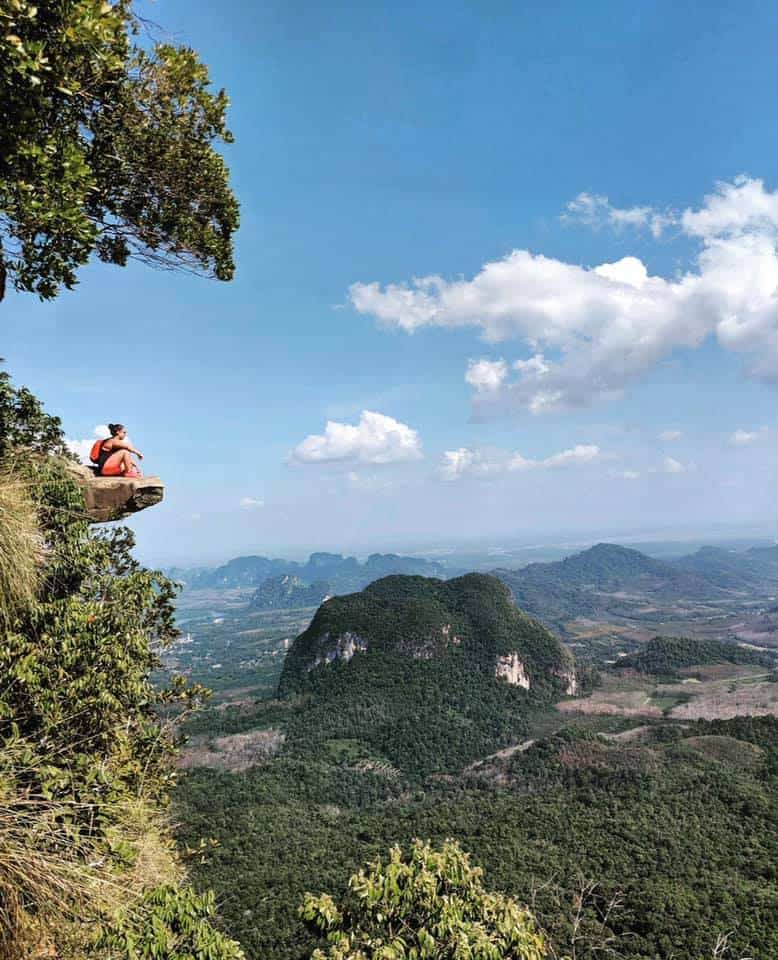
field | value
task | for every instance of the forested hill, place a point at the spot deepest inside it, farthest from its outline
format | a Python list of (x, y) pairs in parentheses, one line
[(664, 656), (734, 570), (469, 620), (612, 580), (424, 674)]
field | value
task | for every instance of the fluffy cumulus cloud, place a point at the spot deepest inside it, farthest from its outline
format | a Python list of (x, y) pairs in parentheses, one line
[(744, 438), (376, 439), (593, 331), (486, 375), (670, 435), (251, 503), (483, 463), (81, 448)]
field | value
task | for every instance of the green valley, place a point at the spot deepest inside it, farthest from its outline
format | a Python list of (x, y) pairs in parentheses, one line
[(403, 714)]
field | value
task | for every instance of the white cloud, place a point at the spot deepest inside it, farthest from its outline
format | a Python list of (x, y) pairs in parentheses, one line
[(670, 435), (670, 465), (486, 374), (597, 210), (81, 448), (482, 463), (375, 439), (536, 365), (251, 503), (742, 438), (736, 208), (580, 453), (593, 331)]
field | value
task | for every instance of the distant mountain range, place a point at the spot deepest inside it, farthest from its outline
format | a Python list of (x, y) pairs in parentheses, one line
[(609, 579), (286, 583), (606, 579)]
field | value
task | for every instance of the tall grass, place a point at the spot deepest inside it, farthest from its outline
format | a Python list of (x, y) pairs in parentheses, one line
[(47, 877), (20, 545), (57, 886)]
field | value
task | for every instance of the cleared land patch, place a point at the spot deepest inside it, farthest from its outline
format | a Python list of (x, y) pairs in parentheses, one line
[(723, 691), (234, 753)]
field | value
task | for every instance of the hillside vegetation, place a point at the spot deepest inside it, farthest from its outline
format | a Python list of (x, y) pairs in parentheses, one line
[(86, 861), (660, 847), (665, 656)]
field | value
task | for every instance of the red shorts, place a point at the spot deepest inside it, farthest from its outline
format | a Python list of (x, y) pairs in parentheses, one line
[(113, 468)]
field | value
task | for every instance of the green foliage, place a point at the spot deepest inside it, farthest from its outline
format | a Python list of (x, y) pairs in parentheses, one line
[(423, 904), (105, 147), (76, 667), (168, 924), (25, 425), (422, 717), (687, 842), (665, 656)]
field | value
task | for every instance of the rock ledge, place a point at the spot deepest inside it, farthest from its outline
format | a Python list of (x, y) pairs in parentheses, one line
[(113, 498)]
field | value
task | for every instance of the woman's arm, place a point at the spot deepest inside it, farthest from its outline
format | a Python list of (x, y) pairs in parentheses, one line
[(121, 445)]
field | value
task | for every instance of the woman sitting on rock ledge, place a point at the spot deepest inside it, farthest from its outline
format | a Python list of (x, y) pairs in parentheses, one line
[(115, 456)]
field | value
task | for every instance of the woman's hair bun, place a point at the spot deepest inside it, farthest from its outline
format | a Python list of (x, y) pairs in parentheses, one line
[(115, 428)]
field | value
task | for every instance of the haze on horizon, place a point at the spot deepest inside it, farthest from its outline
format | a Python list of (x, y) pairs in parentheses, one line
[(508, 278)]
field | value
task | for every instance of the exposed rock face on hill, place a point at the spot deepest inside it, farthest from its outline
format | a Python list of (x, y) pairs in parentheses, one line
[(469, 621), (113, 498), (510, 668)]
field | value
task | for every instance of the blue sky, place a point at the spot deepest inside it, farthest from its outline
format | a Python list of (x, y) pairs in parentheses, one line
[(377, 143)]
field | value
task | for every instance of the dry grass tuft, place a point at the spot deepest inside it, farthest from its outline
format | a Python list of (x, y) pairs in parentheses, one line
[(21, 546), (56, 885), (45, 877), (143, 830)]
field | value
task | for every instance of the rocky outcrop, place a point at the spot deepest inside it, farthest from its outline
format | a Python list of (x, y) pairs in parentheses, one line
[(570, 679), (511, 669), (343, 649), (114, 498)]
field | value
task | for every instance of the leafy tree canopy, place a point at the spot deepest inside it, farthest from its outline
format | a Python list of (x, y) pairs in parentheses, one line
[(106, 147), (424, 903)]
